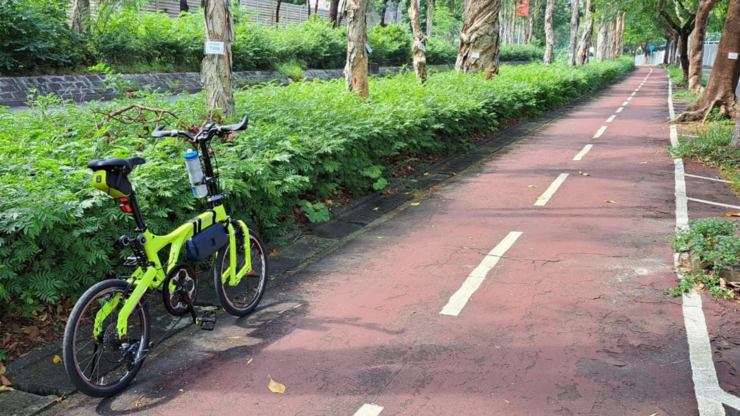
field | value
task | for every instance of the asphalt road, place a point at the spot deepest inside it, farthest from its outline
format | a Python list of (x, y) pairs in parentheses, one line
[(530, 285)]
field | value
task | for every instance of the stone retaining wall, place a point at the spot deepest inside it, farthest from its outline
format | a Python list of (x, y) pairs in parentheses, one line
[(15, 92)]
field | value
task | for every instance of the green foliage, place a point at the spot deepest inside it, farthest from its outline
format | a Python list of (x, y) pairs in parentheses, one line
[(711, 239), (315, 43), (711, 147), (714, 243), (57, 234), (515, 52), (34, 36), (441, 52), (391, 45), (291, 70), (317, 212)]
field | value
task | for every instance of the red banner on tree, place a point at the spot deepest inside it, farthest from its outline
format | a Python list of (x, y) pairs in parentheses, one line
[(522, 8)]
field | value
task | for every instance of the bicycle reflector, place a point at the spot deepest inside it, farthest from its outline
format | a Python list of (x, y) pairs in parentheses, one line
[(124, 205)]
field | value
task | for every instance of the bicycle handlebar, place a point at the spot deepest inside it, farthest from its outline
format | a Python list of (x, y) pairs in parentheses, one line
[(207, 133)]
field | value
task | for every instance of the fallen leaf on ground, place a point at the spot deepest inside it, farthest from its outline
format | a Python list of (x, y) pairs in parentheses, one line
[(654, 414), (2, 369), (234, 337), (451, 173), (506, 401), (380, 238), (5, 388), (275, 387), (5, 381), (60, 398), (375, 209), (610, 202), (413, 204), (732, 214), (643, 163), (57, 359), (273, 253), (531, 186), (32, 331), (297, 306), (539, 198), (249, 361), (583, 173)]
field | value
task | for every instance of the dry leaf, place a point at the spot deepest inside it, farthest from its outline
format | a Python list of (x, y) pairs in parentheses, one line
[(5, 381), (273, 253), (234, 337), (376, 208), (732, 214), (32, 331), (644, 163), (297, 306), (2, 369), (451, 173), (609, 202), (583, 173), (380, 238), (57, 359), (413, 204), (539, 198), (249, 361), (5, 388), (654, 414), (506, 401), (43, 317), (531, 186), (275, 387)]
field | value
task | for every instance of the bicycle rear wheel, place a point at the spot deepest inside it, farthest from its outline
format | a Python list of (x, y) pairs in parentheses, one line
[(243, 298), (98, 362)]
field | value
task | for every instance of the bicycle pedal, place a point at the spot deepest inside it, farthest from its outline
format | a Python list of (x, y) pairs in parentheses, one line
[(208, 320)]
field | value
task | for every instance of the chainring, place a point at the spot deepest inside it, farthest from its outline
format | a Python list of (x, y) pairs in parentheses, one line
[(181, 279)]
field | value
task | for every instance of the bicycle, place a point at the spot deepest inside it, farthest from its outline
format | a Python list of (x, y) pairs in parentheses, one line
[(107, 335)]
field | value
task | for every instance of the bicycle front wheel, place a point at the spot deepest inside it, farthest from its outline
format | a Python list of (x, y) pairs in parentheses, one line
[(242, 298), (99, 362)]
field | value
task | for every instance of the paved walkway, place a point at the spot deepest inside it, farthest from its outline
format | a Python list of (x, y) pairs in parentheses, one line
[(530, 285)]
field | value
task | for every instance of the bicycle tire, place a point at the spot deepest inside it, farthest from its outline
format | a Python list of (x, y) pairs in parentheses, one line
[(108, 358), (242, 299)]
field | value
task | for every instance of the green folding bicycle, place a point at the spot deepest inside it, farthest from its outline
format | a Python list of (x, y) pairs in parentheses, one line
[(107, 335)]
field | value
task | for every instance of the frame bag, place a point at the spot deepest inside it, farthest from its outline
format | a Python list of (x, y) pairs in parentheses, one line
[(206, 242)]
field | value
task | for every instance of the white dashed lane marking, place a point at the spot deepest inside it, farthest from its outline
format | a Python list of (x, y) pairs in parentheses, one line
[(583, 152), (475, 279)]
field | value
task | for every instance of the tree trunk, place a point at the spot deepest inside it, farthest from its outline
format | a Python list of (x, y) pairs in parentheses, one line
[(418, 50), (549, 38), (277, 11), (614, 36), (621, 35), (696, 55), (720, 91), (479, 40), (308, 7), (430, 17), (683, 54), (342, 12), (316, 7), (215, 72), (574, 20), (584, 49), (602, 43), (736, 135), (81, 16), (355, 71), (333, 8), (530, 21), (683, 28), (184, 7)]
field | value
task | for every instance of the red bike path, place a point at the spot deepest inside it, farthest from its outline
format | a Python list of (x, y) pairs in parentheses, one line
[(570, 319)]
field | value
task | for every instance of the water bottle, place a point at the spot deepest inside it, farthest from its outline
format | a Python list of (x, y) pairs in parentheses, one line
[(195, 173)]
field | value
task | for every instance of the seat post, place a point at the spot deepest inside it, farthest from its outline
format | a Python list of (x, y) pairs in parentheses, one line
[(138, 217)]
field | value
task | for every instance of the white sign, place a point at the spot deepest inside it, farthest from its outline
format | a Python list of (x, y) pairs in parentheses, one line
[(475, 55), (732, 55), (422, 47), (215, 48), (368, 48)]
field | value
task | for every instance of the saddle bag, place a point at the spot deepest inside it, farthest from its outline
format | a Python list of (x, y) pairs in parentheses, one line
[(200, 246), (113, 182)]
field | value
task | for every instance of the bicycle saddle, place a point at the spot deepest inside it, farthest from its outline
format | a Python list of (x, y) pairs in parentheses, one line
[(128, 163)]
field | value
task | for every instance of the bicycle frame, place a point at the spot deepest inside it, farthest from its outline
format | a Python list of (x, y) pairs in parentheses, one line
[(153, 276)]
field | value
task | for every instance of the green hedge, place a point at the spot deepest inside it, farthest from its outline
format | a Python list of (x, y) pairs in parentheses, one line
[(305, 140)]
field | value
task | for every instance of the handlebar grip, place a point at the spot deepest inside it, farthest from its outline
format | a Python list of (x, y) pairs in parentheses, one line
[(236, 127), (158, 132)]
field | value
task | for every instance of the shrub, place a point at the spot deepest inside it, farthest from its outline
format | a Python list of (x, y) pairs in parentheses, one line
[(35, 37), (515, 52), (391, 45), (306, 141), (314, 43), (441, 52)]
